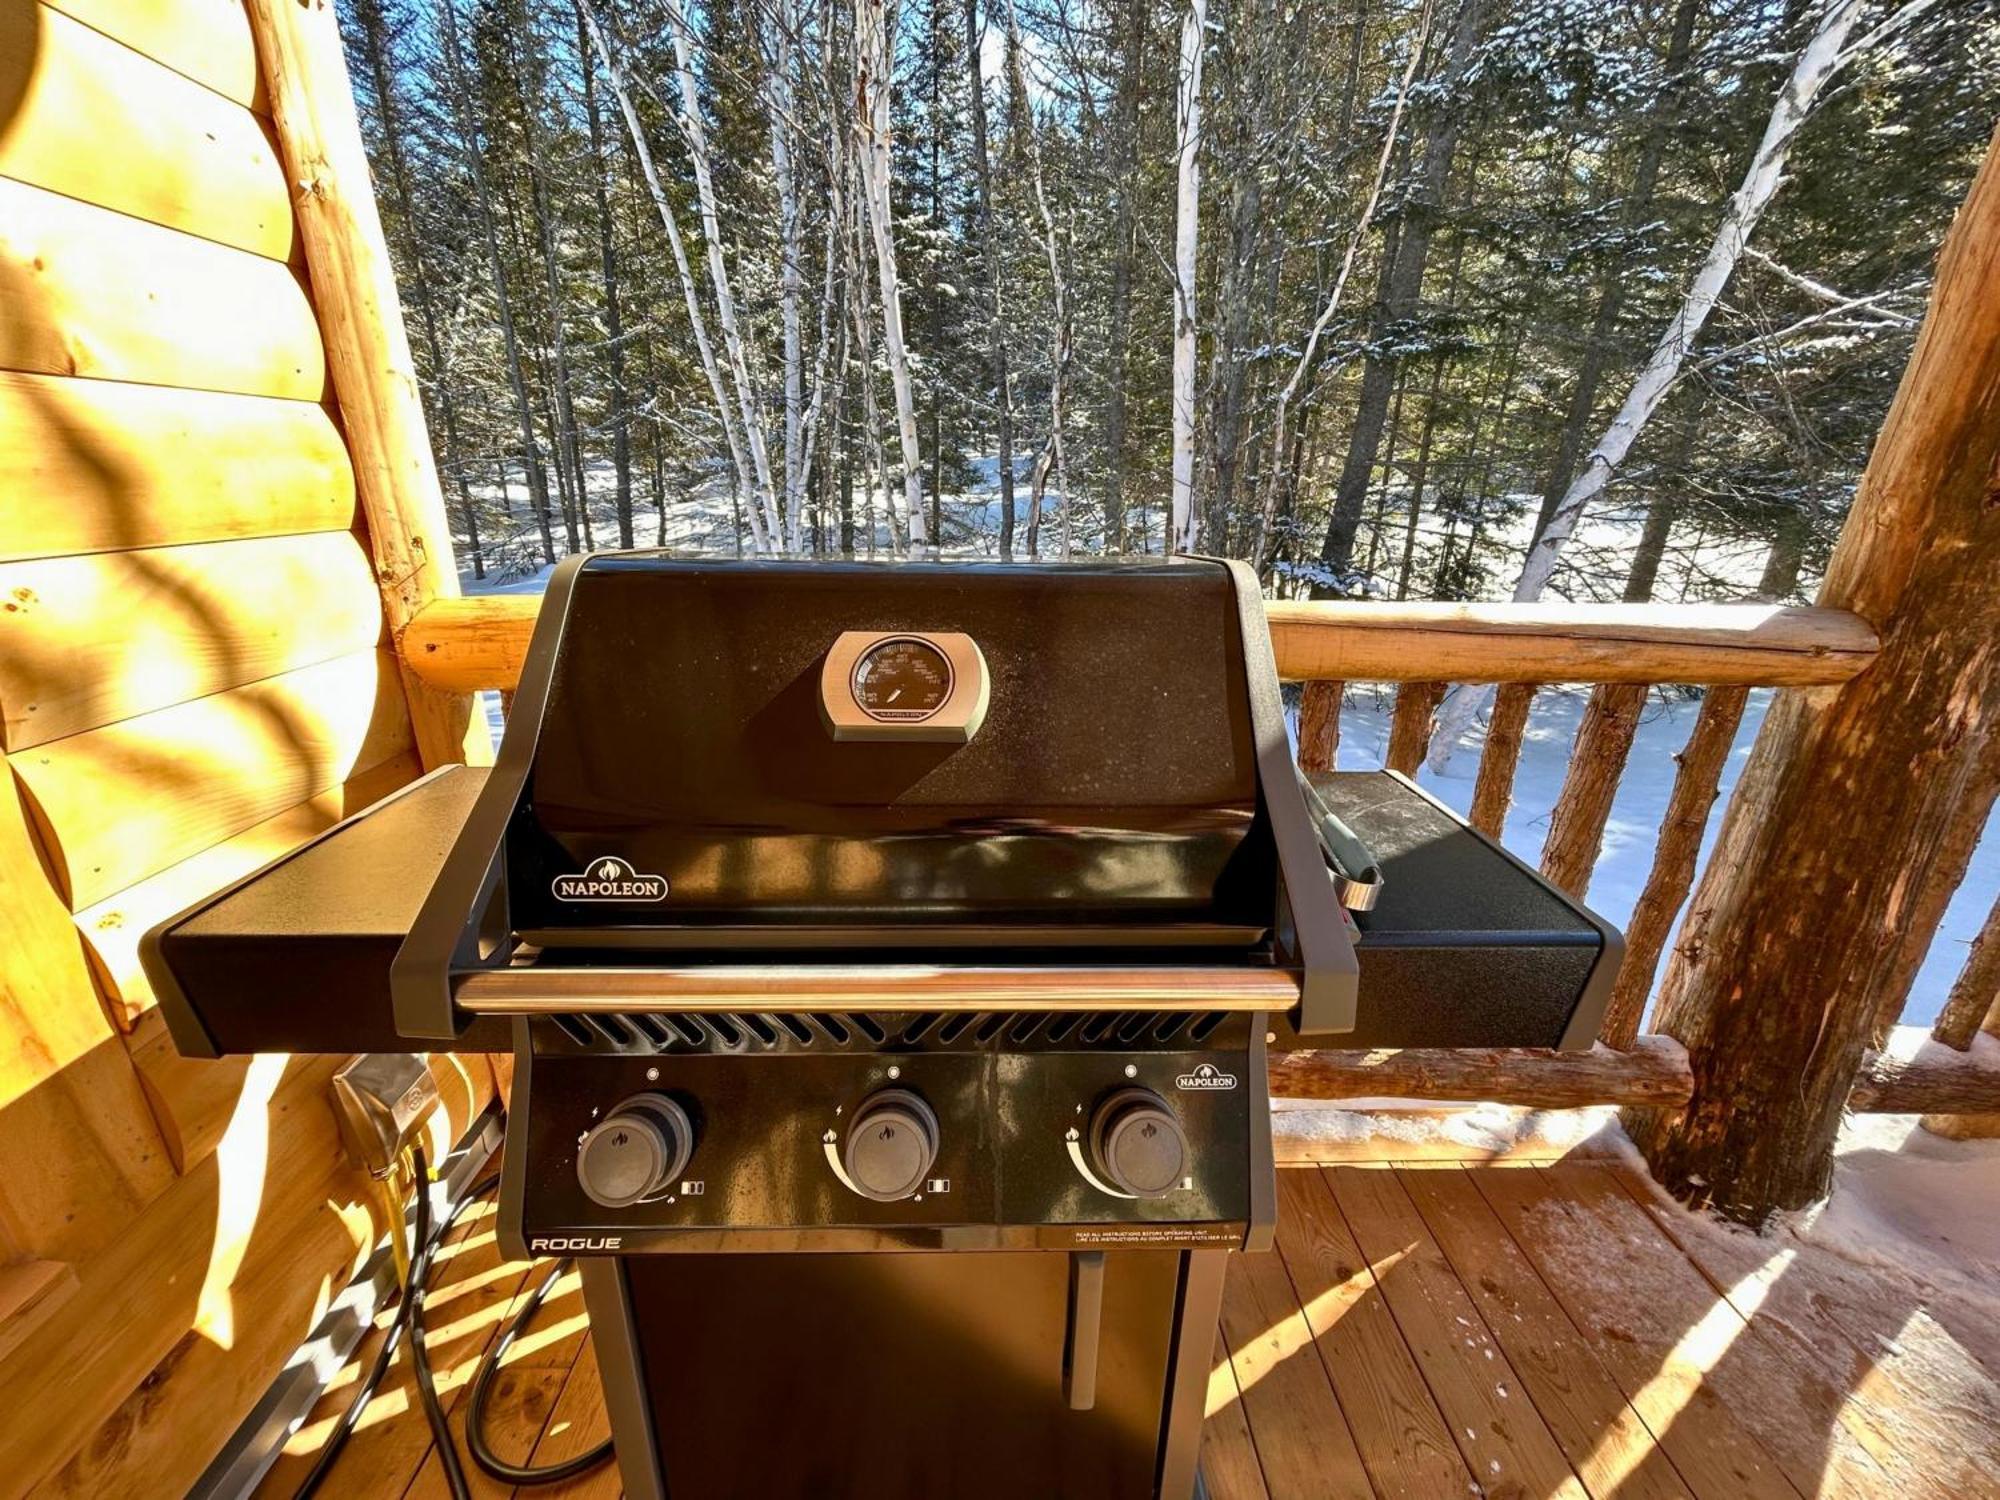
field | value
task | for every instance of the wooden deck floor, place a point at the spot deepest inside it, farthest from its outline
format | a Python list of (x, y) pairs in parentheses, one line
[(1531, 1330)]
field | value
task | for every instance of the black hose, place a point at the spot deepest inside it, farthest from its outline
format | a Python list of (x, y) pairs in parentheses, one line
[(420, 1354), (409, 1320), (482, 1389)]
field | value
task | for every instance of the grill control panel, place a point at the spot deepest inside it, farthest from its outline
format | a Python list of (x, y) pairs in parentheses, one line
[(974, 1146)]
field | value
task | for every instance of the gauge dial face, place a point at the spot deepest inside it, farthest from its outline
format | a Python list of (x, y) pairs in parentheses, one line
[(902, 680)]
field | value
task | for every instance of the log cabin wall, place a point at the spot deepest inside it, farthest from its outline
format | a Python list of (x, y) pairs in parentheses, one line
[(195, 676)]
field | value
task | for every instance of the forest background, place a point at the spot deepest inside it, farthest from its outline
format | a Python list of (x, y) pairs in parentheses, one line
[(1424, 299)]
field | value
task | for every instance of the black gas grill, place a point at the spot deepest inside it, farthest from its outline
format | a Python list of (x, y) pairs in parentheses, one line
[(889, 955)]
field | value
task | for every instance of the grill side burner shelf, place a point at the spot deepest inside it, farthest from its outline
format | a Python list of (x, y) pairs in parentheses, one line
[(889, 954)]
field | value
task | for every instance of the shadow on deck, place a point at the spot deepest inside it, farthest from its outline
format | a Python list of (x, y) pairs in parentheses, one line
[(1426, 1329)]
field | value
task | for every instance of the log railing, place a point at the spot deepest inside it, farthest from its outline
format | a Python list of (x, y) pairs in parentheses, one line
[(479, 643)]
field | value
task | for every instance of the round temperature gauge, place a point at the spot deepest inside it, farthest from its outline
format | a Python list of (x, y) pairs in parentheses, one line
[(902, 680)]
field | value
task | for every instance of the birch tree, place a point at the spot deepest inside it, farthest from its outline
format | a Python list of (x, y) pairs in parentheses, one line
[(1058, 296), (874, 77), (780, 30), (695, 134), (746, 483), (1817, 62), (1184, 519), (989, 246), (1281, 422)]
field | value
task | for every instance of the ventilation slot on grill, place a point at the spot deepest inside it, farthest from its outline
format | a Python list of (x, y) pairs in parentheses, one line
[(1097, 1027), (835, 1029), (1199, 1032), (1170, 1023), (953, 1029), (919, 1024), (1026, 1025), (573, 1028), (651, 1027), (761, 1028), (801, 1033), (723, 1027), (989, 1028), (869, 1027), (1063, 1025), (621, 1031), (1135, 1026)]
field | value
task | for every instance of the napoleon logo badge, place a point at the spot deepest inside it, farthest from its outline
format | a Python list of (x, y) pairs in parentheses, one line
[(1206, 1076), (609, 879)]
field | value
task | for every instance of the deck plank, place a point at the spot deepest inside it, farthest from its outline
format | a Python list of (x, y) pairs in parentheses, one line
[(1859, 1347), (1586, 1412), (525, 1391), (1303, 1442), (1640, 1355), (1403, 1440), (1928, 1363), (579, 1421), (1760, 1370), (1640, 1332), (473, 1286), (1228, 1454), (1504, 1442)]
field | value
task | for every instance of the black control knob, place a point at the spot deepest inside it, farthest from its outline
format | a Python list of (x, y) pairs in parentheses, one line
[(635, 1152), (1137, 1145), (891, 1142)]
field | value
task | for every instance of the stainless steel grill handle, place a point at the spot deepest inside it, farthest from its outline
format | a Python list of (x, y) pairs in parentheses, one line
[(1357, 874)]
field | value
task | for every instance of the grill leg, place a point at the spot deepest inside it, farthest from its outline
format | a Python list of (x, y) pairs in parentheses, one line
[(608, 1303), (1195, 1320)]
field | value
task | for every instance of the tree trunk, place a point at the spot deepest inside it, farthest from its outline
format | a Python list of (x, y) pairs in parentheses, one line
[(694, 132), (989, 249), (874, 80), (1419, 472), (1849, 792), (1319, 724), (1124, 244), (614, 327), (468, 136), (1183, 518), (1410, 725), (1815, 65), (781, 29), (746, 483), (1695, 788), (569, 456), (1652, 548), (1576, 824), (1256, 40), (1059, 295), (1281, 474), (1493, 791), (1399, 303), (1975, 994), (1612, 290), (375, 44)]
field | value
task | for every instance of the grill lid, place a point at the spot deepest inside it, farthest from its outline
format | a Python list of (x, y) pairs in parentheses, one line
[(674, 780)]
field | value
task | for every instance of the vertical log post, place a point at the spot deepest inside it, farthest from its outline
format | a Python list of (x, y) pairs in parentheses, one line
[(1976, 994), (1937, 886), (1410, 728), (1667, 885), (367, 349), (1603, 742), (1494, 790), (1969, 1127), (1849, 795), (1319, 725)]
